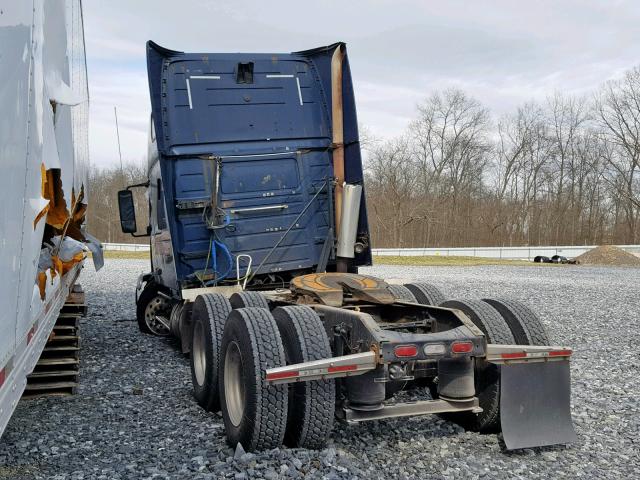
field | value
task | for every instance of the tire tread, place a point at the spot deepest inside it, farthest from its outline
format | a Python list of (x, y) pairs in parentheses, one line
[(217, 309), (496, 331), (526, 326), (318, 404), (247, 299), (271, 400), (426, 293), (400, 292)]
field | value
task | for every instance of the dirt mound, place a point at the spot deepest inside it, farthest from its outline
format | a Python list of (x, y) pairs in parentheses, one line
[(609, 255)]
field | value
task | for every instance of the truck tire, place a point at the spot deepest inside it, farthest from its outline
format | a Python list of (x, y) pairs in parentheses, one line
[(248, 299), (400, 292), (254, 413), (487, 375), (311, 404), (209, 315), (526, 327), (149, 304), (426, 294)]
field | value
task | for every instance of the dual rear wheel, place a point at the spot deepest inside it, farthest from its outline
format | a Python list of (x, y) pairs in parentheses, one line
[(234, 342), (502, 321)]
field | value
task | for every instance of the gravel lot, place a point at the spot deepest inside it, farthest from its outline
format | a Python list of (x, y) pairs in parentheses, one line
[(108, 431)]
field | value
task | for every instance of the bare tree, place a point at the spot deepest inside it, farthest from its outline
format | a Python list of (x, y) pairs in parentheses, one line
[(618, 112), (391, 180), (449, 140), (102, 214), (562, 172)]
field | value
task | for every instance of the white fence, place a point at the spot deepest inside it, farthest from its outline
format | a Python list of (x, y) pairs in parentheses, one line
[(507, 253), (126, 247)]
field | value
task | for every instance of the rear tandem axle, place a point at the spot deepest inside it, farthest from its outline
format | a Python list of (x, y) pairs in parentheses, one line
[(281, 365)]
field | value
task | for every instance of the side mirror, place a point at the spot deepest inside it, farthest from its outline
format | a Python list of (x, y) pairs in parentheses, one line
[(127, 211)]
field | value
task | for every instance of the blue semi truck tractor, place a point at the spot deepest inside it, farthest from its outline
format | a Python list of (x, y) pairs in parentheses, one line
[(258, 224)]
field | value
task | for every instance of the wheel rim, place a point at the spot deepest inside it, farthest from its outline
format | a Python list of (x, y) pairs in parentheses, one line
[(157, 306), (199, 353), (234, 393)]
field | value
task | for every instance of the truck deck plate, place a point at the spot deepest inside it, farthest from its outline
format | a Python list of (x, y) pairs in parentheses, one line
[(329, 287)]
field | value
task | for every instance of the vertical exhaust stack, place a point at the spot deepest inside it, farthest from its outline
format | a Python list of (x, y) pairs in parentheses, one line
[(338, 146), (349, 221)]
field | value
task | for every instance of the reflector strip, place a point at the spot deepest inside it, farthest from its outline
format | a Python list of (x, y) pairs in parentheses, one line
[(342, 368), (353, 364), (280, 375), (560, 353), (527, 353), (514, 355), (552, 353)]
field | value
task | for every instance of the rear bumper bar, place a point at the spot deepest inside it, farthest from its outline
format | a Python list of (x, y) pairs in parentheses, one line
[(355, 364), (509, 354), (359, 363)]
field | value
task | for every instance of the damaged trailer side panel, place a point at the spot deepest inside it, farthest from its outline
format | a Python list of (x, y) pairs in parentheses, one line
[(44, 157)]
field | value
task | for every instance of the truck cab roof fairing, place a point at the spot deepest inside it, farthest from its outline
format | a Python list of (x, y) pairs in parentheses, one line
[(243, 106), (180, 81), (202, 99)]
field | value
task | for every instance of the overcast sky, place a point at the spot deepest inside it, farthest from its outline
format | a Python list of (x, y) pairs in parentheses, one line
[(503, 53)]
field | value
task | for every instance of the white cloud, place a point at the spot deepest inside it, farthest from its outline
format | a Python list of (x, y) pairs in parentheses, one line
[(127, 91), (501, 52)]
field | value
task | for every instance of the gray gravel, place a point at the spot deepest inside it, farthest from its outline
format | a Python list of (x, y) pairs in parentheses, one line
[(134, 416)]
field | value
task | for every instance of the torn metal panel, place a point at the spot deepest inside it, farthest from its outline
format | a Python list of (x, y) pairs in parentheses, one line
[(44, 152), (57, 213), (97, 255), (59, 92)]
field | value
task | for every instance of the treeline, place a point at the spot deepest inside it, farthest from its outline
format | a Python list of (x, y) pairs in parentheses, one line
[(103, 218), (561, 172)]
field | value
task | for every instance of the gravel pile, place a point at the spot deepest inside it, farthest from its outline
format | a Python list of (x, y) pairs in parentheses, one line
[(134, 416), (609, 255)]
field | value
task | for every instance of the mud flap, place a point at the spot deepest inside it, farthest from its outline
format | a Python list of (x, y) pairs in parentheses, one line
[(535, 407)]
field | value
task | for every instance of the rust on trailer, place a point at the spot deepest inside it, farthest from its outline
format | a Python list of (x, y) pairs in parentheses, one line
[(338, 130), (57, 212), (59, 221)]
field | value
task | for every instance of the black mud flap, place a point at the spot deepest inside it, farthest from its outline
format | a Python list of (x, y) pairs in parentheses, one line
[(535, 407)]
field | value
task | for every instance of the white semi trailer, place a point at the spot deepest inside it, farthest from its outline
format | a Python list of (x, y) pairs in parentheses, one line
[(44, 107)]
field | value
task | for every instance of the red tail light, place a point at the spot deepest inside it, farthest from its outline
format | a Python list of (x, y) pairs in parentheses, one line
[(461, 347), (405, 351)]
